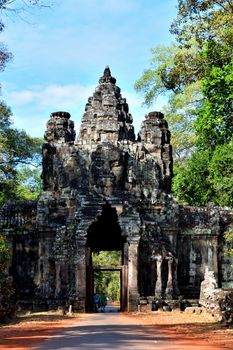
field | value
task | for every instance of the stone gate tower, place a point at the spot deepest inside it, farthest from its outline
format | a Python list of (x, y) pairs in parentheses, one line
[(110, 190), (107, 191)]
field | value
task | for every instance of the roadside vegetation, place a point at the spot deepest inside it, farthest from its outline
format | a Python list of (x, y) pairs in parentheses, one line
[(196, 73)]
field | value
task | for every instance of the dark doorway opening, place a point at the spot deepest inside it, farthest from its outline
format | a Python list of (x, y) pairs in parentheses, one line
[(105, 232), (107, 266)]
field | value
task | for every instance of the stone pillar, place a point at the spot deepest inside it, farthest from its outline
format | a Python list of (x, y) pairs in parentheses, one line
[(176, 290), (125, 254), (213, 254), (210, 255), (158, 285), (58, 278), (169, 288), (80, 278), (133, 295), (38, 276), (45, 277)]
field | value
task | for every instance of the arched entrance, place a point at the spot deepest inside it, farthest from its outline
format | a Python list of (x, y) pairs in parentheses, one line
[(105, 235)]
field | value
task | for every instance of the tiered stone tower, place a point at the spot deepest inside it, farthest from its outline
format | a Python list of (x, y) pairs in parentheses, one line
[(106, 117), (107, 170), (108, 191)]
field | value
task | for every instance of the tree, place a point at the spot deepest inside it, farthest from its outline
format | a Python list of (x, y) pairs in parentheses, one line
[(107, 282), (214, 123), (228, 241), (221, 174), (164, 77), (208, 175), (4, 256), (191, 182), (19, 5), (196, 73), (17, 149), (178, 66), (7, 292), (29, 184), (203, 20), (180, 115)]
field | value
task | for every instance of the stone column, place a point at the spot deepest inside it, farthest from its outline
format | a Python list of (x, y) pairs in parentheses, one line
[(133, 295), (45, 278), (169, 288), (158, 285), (125, 254), (213, 254), (176, 290), (210, 255), (80, 278), (38, 276), (58, 278)]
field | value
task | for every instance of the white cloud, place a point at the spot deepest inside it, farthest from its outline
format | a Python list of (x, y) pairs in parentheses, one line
[(32, 106), (81, 33), (52, 95)]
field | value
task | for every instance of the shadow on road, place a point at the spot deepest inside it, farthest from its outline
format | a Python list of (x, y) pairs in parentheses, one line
[(105, 338)]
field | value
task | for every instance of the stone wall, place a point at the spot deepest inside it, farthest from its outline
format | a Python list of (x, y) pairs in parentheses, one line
[(108, 190)]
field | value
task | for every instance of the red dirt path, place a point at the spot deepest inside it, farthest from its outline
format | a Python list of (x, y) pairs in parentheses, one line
[(191, 328), (30, 330)]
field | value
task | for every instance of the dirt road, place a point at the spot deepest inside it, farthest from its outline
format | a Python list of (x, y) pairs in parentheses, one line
[(159, 330), (109, 331)]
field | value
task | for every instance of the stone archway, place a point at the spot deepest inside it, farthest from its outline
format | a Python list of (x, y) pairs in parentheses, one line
[(105, 234)]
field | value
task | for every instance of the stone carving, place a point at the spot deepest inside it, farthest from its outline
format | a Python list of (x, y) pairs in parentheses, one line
[(107, 117), (59, 128), (108, 191), (208, 287), (217, 301)]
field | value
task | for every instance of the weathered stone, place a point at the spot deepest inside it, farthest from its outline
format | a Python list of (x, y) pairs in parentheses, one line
[(193, 310), (109, 191), (216, 300)]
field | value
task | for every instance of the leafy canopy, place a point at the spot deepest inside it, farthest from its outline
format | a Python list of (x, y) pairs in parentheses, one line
[(20, 155), (107, 282), (4, 256), (195, 73)]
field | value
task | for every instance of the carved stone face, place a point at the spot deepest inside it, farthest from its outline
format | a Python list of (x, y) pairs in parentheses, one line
[(107, 168)]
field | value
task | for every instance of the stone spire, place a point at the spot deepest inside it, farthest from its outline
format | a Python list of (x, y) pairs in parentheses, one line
[(60, 128), (107, 78), (106, 117)]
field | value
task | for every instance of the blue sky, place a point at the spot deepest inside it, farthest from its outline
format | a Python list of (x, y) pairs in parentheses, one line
[(60, 53)]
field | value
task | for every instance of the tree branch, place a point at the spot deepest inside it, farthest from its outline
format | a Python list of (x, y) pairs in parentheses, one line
[(223, 7)]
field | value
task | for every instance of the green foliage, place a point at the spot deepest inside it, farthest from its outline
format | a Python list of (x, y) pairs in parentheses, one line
[(4, 256), (7, 292), (191, 182), (180, 115), (197, 74), (206, 177), (228, 236), (29, 184), (151, 83), (221, 174), (204, 20), (107, 282), (171, 72), (17, 150), (107, 258), (214, 124)]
